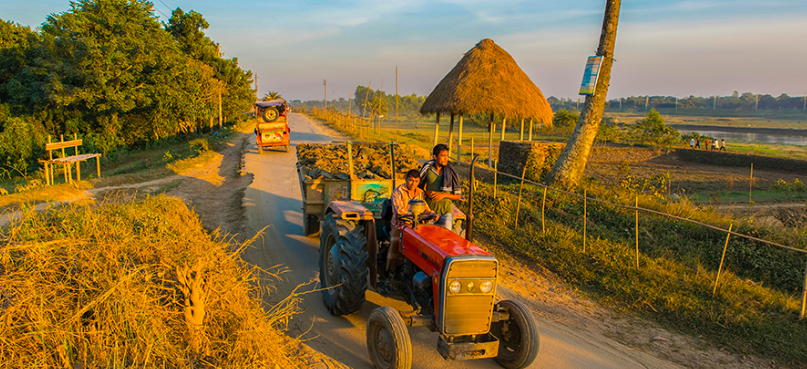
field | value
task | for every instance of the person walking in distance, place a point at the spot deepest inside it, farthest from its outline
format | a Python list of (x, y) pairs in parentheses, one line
[(698, 143), (723, 145), (692, 142), (707, 145), (714, 145)]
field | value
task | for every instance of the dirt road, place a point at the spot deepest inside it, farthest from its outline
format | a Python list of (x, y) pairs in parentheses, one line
[(273, 199)]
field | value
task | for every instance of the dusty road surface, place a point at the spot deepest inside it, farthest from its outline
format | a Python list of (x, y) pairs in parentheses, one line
[(273, 199)]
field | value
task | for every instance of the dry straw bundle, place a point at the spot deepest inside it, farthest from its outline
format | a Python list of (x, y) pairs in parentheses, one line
[(132, 285)]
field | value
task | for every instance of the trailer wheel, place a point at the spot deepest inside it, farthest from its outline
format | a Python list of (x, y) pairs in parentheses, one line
[(260, 149), (518, 336), (269, 114), (310, 224), (343, 265), (286, 148), (388, 340)]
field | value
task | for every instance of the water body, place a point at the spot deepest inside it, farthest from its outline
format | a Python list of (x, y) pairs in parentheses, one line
[(745, 134)]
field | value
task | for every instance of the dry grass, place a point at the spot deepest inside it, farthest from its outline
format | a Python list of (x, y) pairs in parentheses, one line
[(137, 284)]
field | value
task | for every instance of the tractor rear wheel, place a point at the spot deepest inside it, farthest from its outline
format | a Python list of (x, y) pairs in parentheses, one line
[(343, 265), (388, 340), (269, 114), (260, 149), (310, 224), (518, 336)]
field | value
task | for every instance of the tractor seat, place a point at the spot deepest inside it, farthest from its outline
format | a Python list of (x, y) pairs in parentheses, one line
[(386, 210)]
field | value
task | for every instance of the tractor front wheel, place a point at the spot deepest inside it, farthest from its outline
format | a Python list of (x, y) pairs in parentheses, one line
[(388, 340), (518, 336), (343, 265)]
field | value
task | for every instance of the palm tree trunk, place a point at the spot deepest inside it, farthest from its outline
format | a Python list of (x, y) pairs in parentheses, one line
[(569, 168)]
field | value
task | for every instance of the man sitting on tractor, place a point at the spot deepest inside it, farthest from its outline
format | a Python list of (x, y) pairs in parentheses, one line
[(400, 207), (442, 184)]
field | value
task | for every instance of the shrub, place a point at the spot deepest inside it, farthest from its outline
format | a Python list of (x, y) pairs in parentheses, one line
[(200, 145)]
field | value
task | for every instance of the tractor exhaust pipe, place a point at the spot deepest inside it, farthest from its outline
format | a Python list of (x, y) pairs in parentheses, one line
[(469, 228)]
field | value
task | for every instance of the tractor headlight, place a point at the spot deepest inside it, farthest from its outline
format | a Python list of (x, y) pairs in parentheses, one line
[(485, 286), (455, 287)]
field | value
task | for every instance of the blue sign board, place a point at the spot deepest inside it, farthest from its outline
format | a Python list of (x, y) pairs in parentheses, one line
[(590, 75)]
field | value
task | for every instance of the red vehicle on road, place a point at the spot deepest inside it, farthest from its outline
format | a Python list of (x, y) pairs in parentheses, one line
[(272, 126)]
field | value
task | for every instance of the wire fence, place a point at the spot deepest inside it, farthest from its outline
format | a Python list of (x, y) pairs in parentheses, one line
[(365, 128), (635, 208)]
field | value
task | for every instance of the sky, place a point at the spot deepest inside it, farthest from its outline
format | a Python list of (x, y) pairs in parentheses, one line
[(663, 47)]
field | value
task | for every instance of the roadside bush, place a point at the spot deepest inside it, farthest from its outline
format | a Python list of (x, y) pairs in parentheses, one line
[(199, 145)]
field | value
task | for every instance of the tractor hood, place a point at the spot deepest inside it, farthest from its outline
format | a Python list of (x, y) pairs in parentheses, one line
[(433, 244)]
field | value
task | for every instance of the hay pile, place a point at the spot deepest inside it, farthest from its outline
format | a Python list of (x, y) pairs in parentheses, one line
[(135, 285), (370, 161)]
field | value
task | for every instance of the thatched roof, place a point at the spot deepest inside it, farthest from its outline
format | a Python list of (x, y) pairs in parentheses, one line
[(488, 80)]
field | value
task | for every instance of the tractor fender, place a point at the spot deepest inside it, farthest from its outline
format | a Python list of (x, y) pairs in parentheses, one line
[(354, 211)]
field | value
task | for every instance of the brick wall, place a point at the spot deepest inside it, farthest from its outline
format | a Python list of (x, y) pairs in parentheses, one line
[(539, 157)]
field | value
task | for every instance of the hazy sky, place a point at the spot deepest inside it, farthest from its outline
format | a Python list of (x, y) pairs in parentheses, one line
[(663, 47)]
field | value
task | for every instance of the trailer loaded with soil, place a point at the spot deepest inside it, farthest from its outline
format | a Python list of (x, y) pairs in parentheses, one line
[(362, 172)]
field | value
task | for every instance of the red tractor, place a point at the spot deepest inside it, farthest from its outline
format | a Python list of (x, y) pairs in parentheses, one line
[(449, 281)]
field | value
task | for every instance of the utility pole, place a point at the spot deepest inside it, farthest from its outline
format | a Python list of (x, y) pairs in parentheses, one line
[(714, 103), (325, 84), (676, 103), (805, 102), (571, 163), (620, 105), (756, 104), (646, 101), (397, 132)]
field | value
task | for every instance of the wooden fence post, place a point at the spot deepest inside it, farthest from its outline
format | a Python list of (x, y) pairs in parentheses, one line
[(495, 177), (720, 268), (543, 207), (637, 232), (520, 188), (750, 184), (804, 296), (585, 216)]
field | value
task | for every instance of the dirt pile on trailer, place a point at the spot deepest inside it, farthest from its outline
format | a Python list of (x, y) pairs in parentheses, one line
[(370, 161)]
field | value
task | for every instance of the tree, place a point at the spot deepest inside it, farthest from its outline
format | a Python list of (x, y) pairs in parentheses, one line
[(572, 161), (564, 118), (652, 130), (271, 95)]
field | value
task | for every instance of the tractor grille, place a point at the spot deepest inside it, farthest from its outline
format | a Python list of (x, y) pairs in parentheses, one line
[(469, 311)]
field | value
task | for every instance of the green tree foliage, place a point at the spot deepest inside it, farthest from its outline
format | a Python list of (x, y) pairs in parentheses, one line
[(564, 118), (652, 130), (109, 71)]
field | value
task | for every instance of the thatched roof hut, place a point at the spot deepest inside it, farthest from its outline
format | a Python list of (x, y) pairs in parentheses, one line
[(488, 80)]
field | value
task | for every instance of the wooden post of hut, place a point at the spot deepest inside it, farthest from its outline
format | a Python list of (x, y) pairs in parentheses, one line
[(450, 134), (504, 126), (521, 136), (530, 129), (436, 130), (459, 141)]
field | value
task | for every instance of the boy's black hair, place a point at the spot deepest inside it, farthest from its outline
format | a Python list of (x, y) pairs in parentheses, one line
[(414, 173), (439, 148)]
